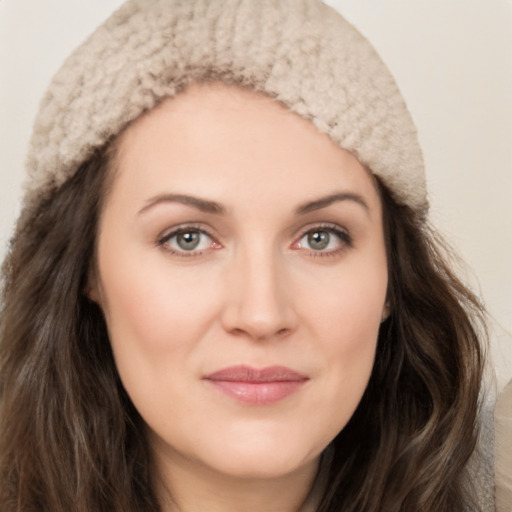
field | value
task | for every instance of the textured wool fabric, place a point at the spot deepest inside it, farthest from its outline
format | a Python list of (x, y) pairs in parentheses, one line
[(300, 52), (503, 450)]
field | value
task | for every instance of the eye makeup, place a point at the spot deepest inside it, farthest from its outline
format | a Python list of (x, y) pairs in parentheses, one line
[(188, 241), (323, 240), (193, 240)]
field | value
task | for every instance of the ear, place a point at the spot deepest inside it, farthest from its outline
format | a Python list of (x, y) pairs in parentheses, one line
[(92, 290), (386, 311)]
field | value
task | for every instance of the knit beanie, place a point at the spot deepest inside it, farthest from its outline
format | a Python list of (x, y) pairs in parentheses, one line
[(300, 52)]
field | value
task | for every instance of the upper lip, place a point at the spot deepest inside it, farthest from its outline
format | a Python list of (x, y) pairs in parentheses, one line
[(243, 373)]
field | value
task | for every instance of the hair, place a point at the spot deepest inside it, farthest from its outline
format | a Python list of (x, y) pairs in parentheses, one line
[(70, 438)]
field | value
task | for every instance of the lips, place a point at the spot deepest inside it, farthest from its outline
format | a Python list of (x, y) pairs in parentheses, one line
[(257, 386)]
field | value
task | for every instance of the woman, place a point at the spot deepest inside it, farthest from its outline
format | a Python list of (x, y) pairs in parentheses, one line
[(223, 293)]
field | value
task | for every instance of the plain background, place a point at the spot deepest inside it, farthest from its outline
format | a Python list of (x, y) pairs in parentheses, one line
[(452, 60)]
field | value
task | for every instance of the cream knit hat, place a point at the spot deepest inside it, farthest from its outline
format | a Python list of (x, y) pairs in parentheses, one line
[(300, 52)]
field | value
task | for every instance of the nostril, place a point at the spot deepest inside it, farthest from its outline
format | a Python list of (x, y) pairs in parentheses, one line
[(281, 333)]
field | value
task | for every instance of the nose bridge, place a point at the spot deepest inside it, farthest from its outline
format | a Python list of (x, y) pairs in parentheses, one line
[(259, 302)]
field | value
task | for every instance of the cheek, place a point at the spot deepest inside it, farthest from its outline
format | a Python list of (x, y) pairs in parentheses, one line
[(156, 321), (347, 305), (345, 321), (156, 324), (349, 341), (148, 304)]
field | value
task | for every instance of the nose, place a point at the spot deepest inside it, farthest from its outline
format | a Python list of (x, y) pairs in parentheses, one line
[(259, 304)]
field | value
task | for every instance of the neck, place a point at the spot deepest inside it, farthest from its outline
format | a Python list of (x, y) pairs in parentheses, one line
[(188, 486)]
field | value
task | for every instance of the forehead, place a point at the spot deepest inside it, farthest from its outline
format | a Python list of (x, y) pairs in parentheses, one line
[(215, 138)]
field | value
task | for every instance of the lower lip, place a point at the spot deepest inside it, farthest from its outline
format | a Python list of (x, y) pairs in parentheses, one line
[(258, 393)]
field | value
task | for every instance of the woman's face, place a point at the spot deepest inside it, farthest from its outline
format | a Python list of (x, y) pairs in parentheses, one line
[(242, 273)]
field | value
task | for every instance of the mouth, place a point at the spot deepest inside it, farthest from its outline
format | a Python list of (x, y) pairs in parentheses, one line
[(257, 386)]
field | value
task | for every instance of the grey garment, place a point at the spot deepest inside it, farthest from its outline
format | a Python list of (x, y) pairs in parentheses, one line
[(481, 464), (503, 450)]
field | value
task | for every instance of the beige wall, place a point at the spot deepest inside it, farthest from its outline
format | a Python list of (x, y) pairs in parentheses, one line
[(452, 60)]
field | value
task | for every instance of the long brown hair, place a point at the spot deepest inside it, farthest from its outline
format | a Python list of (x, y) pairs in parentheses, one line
[(70, 438), (417, 423)]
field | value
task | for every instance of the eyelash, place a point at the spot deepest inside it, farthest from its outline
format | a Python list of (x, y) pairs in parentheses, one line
[(345, 240), (343, 236), (167, 237)]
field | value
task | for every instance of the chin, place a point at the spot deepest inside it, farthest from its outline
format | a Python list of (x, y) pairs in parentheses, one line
[(264, 466), (261, 456)]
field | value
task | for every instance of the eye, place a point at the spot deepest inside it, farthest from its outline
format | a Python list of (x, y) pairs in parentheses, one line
[(324, 239), (187, 240)]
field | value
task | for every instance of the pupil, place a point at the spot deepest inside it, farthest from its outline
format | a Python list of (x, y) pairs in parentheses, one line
[(318, 240), (188, 241)]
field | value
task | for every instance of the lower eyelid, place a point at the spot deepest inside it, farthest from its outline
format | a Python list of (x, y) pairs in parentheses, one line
[(345, 241), (340, 233), (164, 241)]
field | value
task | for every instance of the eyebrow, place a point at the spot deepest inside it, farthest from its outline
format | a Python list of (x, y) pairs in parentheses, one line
[(195, 202), (324, 202), (215, 208)]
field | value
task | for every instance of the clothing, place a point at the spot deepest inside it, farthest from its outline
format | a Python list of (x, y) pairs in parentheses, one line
[(503, 450), (481, 464), (300, 52)]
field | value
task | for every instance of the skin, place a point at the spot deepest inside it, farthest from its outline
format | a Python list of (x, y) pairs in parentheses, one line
[(257, 290)]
